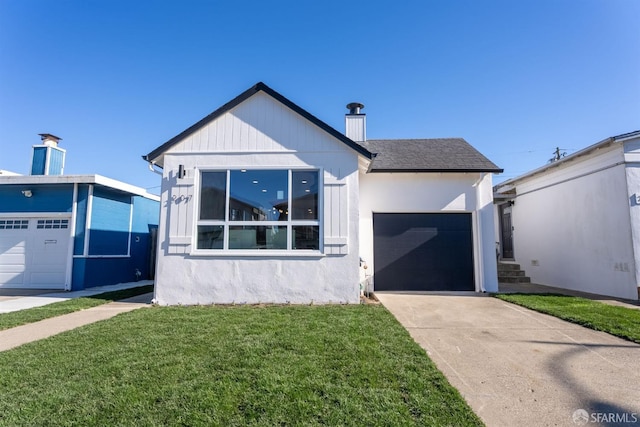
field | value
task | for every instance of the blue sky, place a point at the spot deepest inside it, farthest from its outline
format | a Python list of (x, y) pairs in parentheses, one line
[(516, 79)]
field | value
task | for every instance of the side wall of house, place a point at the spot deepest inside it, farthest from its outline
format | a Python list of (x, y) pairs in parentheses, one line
[(572, 228), (433, 193), (632, 169), (117, 245), (260, 133)]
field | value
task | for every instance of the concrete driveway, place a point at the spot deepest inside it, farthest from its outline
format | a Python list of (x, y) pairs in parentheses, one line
[(515, 366)]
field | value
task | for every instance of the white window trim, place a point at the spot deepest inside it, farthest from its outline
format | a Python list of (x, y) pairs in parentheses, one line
[(289, 223)]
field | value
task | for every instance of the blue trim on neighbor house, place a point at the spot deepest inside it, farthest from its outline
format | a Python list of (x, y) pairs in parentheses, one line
[(45, 198)]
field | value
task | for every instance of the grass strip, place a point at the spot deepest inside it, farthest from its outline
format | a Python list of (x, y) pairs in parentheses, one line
[(615, 320), (30, 315), (231, 366)]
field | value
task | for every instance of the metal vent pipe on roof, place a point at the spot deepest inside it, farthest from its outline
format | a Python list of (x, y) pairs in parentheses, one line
[(355, 107)]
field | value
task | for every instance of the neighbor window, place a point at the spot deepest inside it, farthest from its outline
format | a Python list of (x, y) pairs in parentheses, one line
[(259, 209)]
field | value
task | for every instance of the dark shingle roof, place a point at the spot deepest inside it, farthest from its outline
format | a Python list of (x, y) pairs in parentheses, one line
[(427, 155)]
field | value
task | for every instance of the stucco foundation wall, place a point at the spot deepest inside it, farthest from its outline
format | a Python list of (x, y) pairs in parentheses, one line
[(431, 193), (572, 228), (189, 280)]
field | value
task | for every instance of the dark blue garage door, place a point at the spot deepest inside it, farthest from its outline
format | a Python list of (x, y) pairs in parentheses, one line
[(423, 252)]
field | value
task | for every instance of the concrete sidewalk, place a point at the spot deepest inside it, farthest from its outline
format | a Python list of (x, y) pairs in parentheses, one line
[(14, 337), (515, 366), (20, 299)]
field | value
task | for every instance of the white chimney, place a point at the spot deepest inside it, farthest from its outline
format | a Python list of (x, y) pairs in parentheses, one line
[(356, 123), (49, 140)]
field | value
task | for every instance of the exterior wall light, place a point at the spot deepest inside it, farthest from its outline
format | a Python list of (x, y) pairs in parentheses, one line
[(27, 193)]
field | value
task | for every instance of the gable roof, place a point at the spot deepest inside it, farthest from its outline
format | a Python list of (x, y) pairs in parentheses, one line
[(154, 155), (427, 155)]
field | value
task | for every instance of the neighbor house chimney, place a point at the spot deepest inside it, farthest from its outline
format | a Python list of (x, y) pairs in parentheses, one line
[(48, 159), (356, 122)]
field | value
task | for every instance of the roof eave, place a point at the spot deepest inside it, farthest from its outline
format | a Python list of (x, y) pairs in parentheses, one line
[(155, 154), (466, 170), (585, 151), (77, 179)]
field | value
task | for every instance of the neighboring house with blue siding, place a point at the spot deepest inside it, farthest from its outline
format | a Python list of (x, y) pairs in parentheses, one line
[(73, 231)]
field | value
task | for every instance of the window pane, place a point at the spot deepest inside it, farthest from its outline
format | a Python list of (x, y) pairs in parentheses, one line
[(258, 195), (257, 237), (210, 237), (304, 198), (212, 195), (306, 237)]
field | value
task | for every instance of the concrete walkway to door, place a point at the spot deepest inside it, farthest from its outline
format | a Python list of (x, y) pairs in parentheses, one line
[(515, 366)]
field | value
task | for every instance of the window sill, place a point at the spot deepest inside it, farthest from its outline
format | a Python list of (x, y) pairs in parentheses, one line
[(256, 253)]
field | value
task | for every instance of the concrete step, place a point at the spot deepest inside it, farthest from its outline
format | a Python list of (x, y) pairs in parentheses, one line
[(514, 279), (511, 273), (504, 266)]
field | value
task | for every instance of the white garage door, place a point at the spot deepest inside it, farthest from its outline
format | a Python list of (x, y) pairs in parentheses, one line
[(33, 252)]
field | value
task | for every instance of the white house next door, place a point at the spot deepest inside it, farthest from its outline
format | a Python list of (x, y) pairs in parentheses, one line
[(33, 252)]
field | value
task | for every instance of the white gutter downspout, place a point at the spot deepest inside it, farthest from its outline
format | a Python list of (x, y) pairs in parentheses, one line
[(155, 288), (72, 239), (152, 169), (87, 225), (479, 253)]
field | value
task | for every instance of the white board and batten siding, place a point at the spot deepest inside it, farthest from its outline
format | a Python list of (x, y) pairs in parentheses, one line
[(260, 124), (181, 198), (336, 221), (259, 133)]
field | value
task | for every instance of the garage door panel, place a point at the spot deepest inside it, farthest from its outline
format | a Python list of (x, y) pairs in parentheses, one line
[(12, 278), (423, 252), (34, 253), (46, 278), (400, 244), (10, 261), (11, 242)]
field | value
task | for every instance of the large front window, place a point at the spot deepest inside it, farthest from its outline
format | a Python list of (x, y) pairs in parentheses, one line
[(259, 209)]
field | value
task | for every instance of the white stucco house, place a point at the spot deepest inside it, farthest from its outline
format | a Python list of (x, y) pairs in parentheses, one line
[(575, 223), (263, 202)]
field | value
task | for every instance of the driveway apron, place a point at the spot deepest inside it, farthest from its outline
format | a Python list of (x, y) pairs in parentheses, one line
[(515, 366)]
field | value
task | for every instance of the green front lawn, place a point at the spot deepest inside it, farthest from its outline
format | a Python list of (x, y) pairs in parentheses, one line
[(248, 365), (619, 321), (30, 315)]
